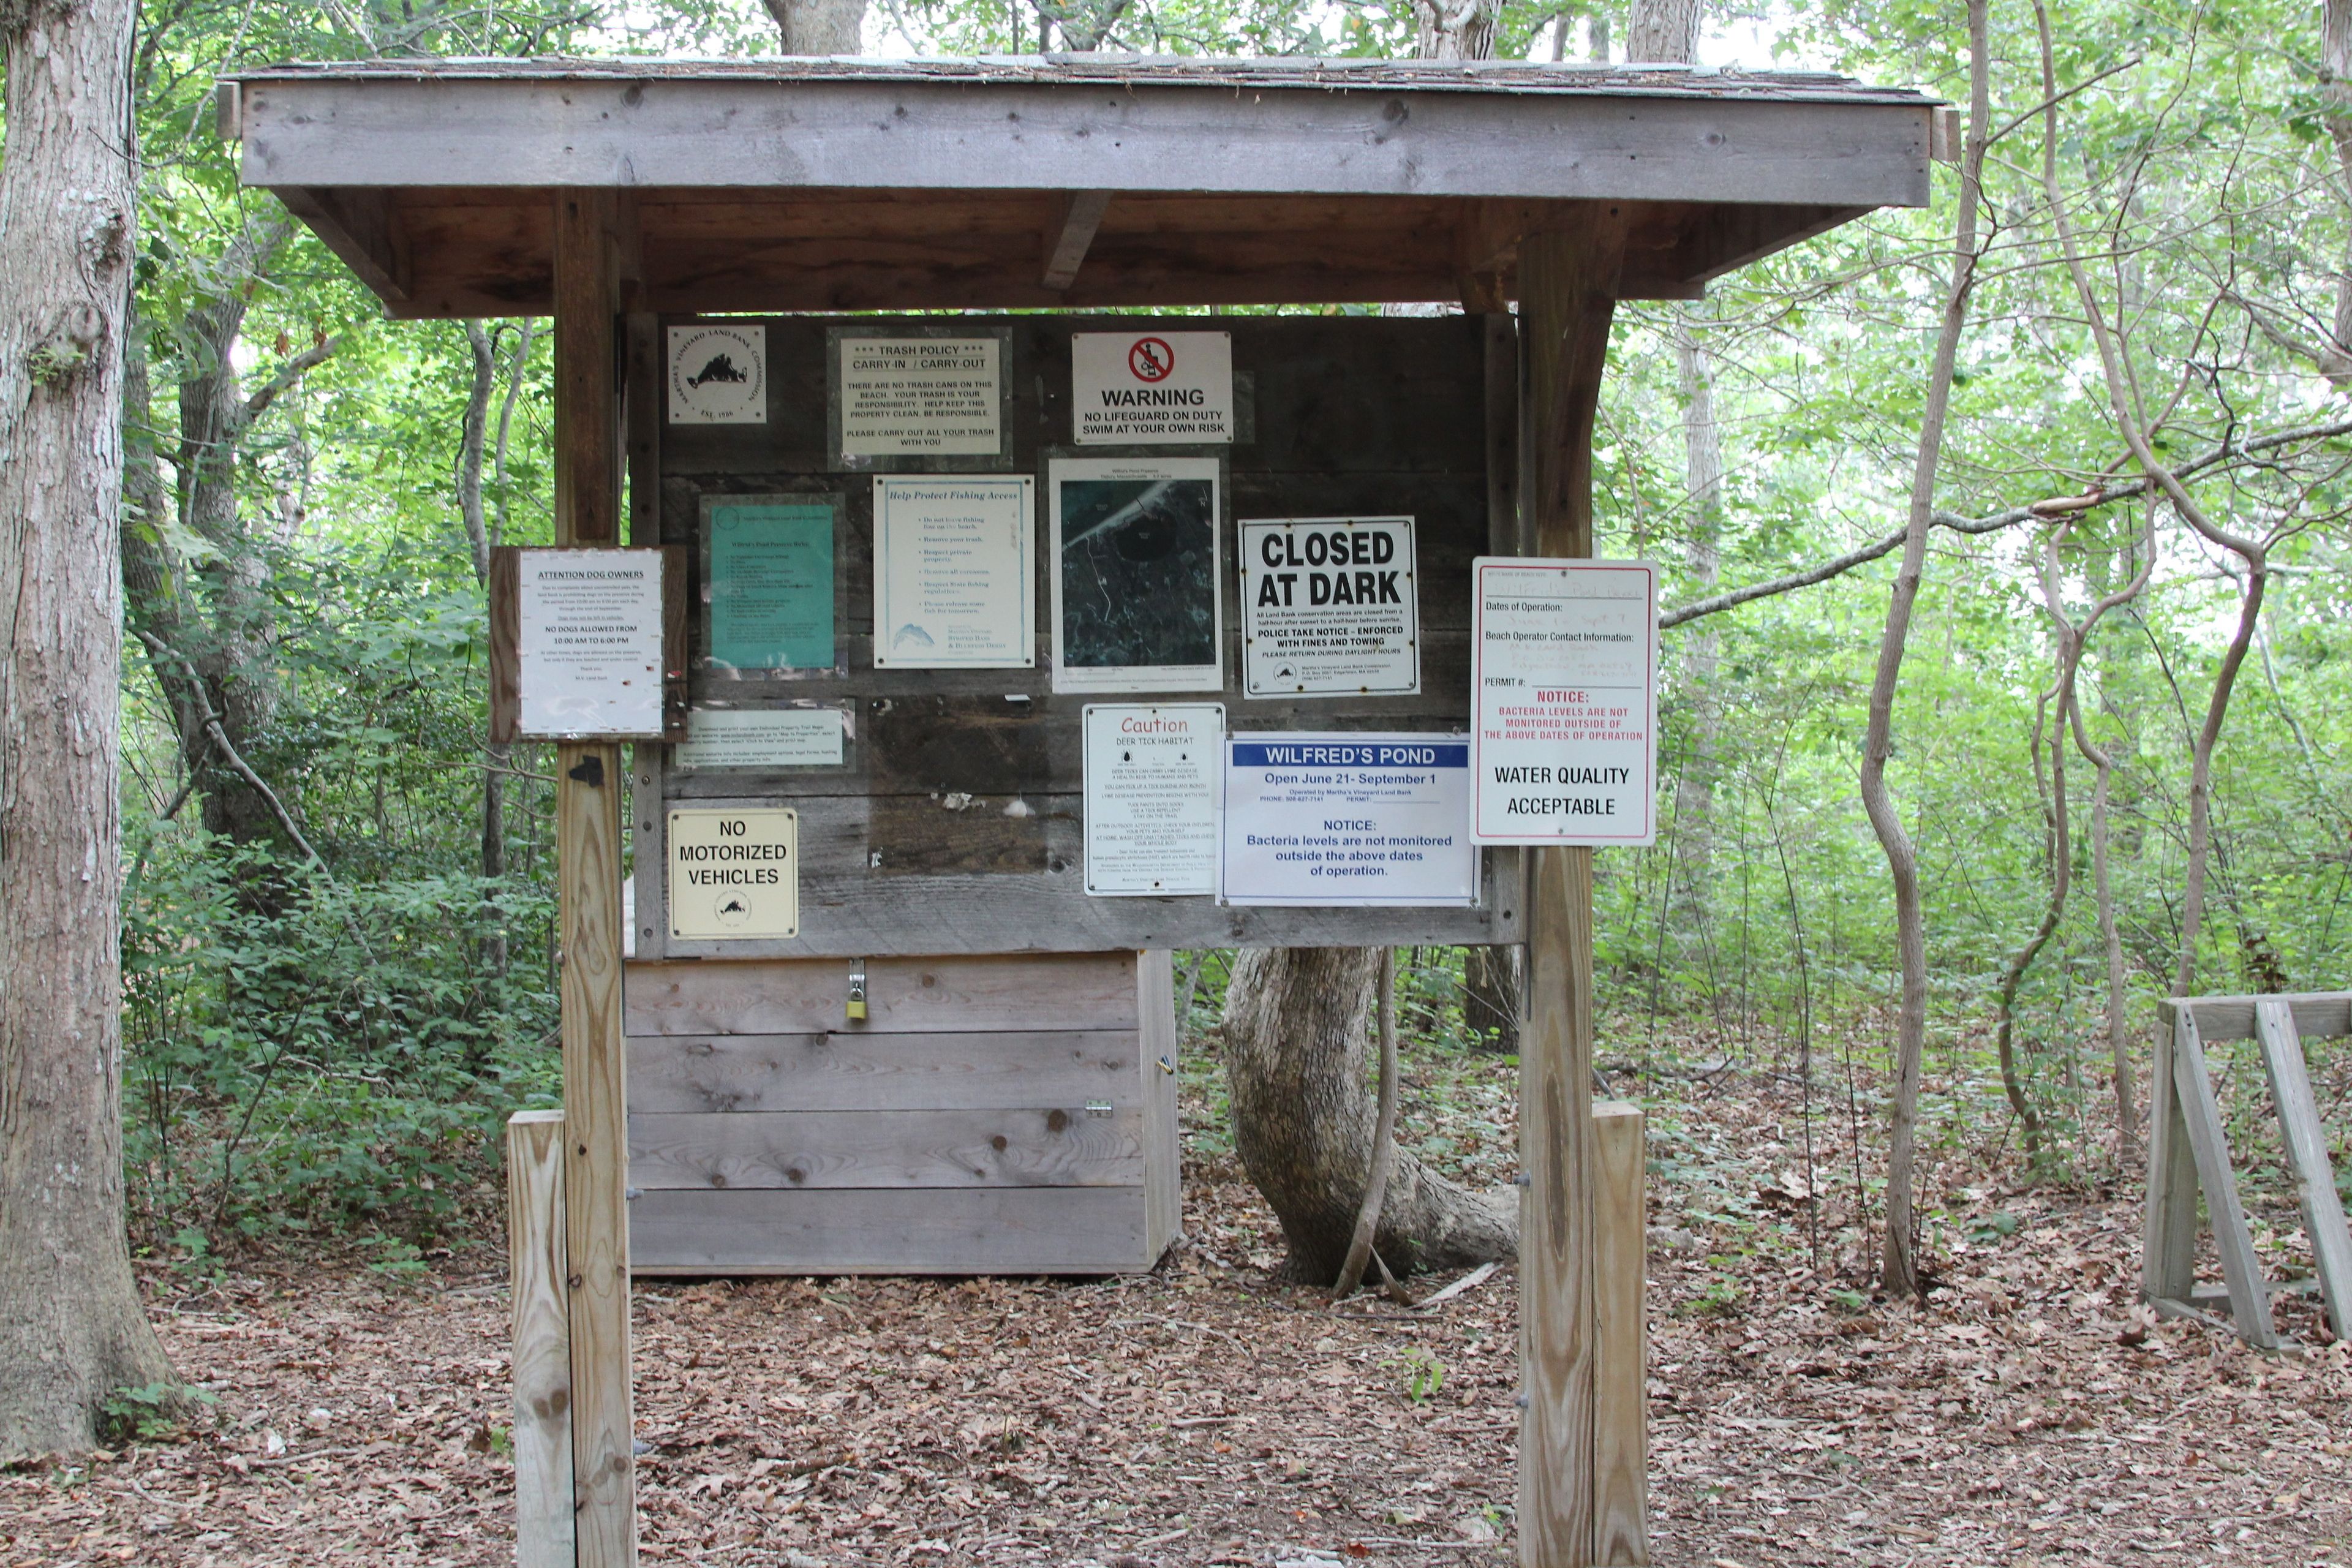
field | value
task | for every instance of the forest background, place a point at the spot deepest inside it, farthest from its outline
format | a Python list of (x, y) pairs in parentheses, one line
[(338, 933)]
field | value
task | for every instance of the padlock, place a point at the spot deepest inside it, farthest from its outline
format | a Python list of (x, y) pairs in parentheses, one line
[(858, 992)]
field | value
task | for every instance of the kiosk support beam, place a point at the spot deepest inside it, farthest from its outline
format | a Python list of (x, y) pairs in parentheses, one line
[(588, 885), (1568, 284)]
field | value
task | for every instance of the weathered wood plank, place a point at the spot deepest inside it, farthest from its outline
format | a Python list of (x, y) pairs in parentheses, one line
[(1157, 1038), (1567, 282), (808, 1151), (542, 1355), (2249, 1301), (2169, 1232), (588, 885), (1066, 242), (859, 1070), (2322, 1014), (2306, 1159), (950, 995), (981, 1230), (1146, 137), (1621, 1438), (849, 909)]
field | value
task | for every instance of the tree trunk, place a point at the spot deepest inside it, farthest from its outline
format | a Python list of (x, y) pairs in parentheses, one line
[(1898, 1272), (71, 1326), (473, 438), (1662, 31), (1493, 992), (2335, 93), (820, 26), (1703, 646), (1297, 1048)]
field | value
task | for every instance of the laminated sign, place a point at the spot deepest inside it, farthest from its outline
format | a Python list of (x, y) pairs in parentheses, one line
[(1148, 389), (734, 874), (1564, 741), (1328, 607)]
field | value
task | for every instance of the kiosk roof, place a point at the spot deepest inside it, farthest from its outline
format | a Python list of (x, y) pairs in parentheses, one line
[(1058, 181)]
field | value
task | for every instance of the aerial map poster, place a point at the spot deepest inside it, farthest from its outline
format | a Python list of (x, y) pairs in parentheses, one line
[(1138, 558)]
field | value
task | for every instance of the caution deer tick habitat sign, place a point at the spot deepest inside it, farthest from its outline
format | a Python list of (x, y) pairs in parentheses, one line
[(734, 875), (1563, 741)]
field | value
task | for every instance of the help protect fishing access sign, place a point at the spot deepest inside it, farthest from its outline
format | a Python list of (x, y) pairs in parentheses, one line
[(1564, 737)]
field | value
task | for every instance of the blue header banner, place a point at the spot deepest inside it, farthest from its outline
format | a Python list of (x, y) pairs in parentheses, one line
[(1349, 754)]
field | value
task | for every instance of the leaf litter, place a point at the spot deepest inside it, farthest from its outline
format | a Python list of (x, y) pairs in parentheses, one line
[(1209, 1413)]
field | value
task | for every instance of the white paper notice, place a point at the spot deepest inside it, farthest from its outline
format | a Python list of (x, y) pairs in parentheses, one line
[(954, 585), (734, 874), (1151, 388), (1329, 607), (1348, 819), (1151, 799), (1565, 736), (919, 396), (761, 738), (590, 643)]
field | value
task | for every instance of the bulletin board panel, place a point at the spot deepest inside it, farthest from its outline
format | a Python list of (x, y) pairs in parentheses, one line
[(953, 823)]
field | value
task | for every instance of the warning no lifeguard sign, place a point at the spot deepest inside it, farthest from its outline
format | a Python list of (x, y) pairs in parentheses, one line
[(1564, 736), (1152, 389)]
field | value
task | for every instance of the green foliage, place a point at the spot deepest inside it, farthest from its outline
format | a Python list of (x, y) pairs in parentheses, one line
[(1418, 1371), (148, 1412)]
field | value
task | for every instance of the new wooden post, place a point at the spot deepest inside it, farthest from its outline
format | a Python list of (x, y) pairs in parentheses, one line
[(588, 884), (1568, 281), (543, 1341)]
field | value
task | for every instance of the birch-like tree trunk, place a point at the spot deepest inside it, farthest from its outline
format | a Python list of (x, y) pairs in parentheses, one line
[(71, 1327), (1899, 1270), (2335, 93)]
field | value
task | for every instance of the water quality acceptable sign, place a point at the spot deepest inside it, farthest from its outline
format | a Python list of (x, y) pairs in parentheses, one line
[(588, 642), (1148, 389), (1151, 798), (734, 875), (1328, 607), (1564, 739), (1351, 819)]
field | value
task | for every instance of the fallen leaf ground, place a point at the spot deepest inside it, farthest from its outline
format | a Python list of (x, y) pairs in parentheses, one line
[(1210, 1413)]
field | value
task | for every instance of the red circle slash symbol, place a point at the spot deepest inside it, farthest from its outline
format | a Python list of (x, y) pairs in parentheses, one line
[(1151, 359)]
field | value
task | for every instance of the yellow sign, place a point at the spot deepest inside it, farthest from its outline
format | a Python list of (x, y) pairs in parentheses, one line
[(734, 875)]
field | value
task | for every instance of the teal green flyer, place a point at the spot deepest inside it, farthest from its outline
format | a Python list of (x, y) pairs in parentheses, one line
[(769, 573)]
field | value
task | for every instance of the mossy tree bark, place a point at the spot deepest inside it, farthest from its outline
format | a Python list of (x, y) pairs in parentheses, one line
[(71, 1326)]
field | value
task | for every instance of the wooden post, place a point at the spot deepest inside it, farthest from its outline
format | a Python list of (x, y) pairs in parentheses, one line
[(1567, 283), (588, 886), (2250, 1300), (2305, 1139), (1621, 1436), (2167, 1260), (541, 1359)]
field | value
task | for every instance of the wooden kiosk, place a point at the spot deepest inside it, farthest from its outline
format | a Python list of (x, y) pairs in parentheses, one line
[(941, 860)]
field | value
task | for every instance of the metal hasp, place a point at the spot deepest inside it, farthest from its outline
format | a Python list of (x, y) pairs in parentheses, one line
[(607, 192)]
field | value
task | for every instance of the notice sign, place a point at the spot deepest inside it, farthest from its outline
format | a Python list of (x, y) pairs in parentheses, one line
[(734, 874), (1565, 701), (1328, 607), (761, 738), (923, 397), (1348, 819), (954, 581), (1151, 388), (1151, 799), (768, 581), (589, 642), (719, 375)]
